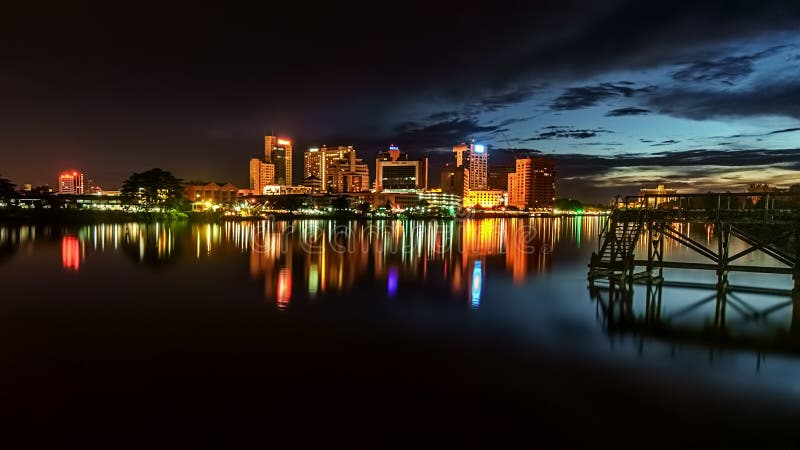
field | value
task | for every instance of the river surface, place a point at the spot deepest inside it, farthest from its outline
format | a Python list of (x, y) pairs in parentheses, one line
[(522, 281)]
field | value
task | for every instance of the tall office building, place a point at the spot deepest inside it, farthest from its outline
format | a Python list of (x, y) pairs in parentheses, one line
[(475, 158), (261, 174), (312, 168), (349, 174), (278, 151), (533, 183), (395, 172), (71, 183), (317, 162)]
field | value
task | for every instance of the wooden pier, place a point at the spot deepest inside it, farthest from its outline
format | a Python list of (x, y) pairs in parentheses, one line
[(766, 222)]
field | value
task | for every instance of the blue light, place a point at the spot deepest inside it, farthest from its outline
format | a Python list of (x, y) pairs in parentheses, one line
[(391, 285), (394, 147), (477, 284), (479, 148)]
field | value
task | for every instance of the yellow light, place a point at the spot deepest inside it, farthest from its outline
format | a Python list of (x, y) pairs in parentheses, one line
[(284, 142)]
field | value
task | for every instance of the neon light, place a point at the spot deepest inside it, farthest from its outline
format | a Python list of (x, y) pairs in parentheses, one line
[(313, 149), (479, 148), (394, 147), (284, 142), (477, 284)]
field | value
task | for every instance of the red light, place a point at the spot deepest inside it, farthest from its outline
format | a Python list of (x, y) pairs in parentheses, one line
[(284, 288), (70, 253)]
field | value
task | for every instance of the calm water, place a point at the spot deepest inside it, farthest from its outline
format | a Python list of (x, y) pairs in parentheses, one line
[(523, 279)]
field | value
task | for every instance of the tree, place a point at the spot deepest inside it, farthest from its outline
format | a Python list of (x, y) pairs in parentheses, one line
[(365, 208), (7, 190), (153, 189), (341, 203)]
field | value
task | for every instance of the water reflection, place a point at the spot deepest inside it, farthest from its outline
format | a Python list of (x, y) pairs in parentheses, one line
[(71, 253), (331, 257), (744, 318)]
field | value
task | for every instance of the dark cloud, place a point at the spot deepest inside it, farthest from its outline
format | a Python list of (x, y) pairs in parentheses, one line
[(781, 98), (498, 101), (443, 134), (630, 111), (566, 132), (592, 177), (667, 142), (586, 96), (726, 70), (785, 130)]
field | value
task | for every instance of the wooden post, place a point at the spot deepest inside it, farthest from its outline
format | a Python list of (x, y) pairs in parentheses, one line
[(722, 254)]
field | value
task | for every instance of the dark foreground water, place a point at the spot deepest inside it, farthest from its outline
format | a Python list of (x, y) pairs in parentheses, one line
[(473, 332)]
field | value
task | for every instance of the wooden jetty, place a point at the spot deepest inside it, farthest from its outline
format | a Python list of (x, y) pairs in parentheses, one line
[(767, 222)]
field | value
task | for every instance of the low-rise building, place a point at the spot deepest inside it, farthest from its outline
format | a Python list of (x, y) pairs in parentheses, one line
[(485, 198)]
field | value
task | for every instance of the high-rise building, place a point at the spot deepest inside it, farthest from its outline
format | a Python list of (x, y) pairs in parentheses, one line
[(317, 162), (262, 174), (533, 183), (349, 174), (278, 151), (395, 172), (455, 180), (71, 183), (475, 158)]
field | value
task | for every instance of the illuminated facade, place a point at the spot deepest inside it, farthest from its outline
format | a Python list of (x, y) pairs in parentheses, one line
[(475, 158), (312, 163), (211, 192), (278, 151), (441, 200), (660, 190), (395, 172), (261, 174), (533, 183), (488, 198), (71, 183), (350, 174)]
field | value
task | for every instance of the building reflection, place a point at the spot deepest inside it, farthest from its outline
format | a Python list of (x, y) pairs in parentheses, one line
[(314, 259), (323, 257), (70, 253)]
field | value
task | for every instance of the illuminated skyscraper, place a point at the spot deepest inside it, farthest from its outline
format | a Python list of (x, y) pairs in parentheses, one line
[(533, 183), (261, 174), (70, 183), (278, 151), (395, 172), (349, 174), (475, 158)]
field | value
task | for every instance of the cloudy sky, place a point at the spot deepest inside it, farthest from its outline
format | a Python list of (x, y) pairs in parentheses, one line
[(702, 95)]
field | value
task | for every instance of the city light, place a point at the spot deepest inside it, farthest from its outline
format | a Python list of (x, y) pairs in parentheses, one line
[(479, 148), (477, 281), (70, 253), (284, 142)]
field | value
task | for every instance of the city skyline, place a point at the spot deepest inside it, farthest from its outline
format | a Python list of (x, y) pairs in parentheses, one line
[(594, 88)]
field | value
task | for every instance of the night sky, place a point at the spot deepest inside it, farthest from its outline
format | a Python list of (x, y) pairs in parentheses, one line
[(701, 95)]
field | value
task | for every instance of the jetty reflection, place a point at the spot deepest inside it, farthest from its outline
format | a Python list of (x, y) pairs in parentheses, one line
[(725, 317)]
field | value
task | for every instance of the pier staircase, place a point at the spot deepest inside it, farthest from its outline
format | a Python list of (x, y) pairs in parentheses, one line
[(615, 258)]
